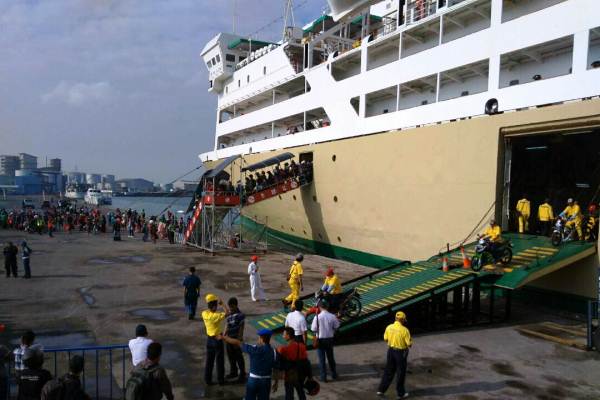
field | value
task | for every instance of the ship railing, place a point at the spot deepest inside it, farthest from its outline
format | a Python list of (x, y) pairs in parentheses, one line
[(104, 373), (417, 10)]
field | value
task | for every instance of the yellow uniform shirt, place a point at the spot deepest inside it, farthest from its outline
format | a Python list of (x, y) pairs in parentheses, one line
[(397, 336), (213, 320), (545, 212), (524, 207), (296, 271), (333, 282), (573, 210), (493, 232)]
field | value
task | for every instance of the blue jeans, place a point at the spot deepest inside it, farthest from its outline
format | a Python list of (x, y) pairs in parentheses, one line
[(27, 268), (326, 349), (258, 389)]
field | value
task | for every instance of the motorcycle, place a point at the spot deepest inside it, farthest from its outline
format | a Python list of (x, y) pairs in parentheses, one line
[(488, 252), (562, 233), (348, 304)]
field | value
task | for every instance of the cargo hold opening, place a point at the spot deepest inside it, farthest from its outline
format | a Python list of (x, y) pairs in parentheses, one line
[(554, 165)]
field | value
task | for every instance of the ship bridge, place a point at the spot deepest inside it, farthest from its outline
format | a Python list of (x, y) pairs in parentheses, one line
[(218, 203), (460, 296)]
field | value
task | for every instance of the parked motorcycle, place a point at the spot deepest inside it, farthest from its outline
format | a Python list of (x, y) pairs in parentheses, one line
[(488, 252), (562, 233), (348, 304)]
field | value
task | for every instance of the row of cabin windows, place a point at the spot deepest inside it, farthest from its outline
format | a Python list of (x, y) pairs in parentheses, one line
[(247, 79), (228, 58)]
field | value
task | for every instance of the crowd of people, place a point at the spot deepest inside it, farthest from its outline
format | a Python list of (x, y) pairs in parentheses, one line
[(90, 220), (262, 180)]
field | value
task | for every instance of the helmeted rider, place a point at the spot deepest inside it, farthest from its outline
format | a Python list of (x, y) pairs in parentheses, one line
[(332, 288), (493, 232), (574, 218)]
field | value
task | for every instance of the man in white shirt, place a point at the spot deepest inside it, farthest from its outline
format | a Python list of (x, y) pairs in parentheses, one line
[(256, 290), (324, 326), (139, 345), (297, 320)]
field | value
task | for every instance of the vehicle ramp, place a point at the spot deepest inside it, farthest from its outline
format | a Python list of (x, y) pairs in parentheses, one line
[(396, 287), (384, 291), (533, 257)]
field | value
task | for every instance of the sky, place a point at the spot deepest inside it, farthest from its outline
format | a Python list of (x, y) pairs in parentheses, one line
[(118, 86)]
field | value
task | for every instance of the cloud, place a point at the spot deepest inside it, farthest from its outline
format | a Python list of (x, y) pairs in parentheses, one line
[(80, 93)]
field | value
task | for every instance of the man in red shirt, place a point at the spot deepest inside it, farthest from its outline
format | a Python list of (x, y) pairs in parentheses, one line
[(294, 363)]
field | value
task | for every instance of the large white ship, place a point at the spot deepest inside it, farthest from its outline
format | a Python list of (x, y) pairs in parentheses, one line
[(421, 118)]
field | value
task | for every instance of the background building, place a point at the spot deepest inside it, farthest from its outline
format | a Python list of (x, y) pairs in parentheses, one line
[(185, 185), (9, 164), (108, 181), (135, 185), (27, 161), (93, 179), (55, 164)]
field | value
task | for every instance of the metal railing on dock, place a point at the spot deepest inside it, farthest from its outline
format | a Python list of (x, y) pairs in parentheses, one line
[(104, 374)]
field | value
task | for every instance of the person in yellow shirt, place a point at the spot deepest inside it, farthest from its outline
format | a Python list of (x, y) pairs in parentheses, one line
[(295, 280), (399, 341), (214, 322), (523, 213), (332, 287), (545, 217), (493, 232), (572, 213)]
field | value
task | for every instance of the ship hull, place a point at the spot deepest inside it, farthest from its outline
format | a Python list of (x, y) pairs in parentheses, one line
[(405, 195)]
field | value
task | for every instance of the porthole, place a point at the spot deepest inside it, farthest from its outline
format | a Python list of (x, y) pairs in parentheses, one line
[(333, 158), (315, 198), (335, 199), (339, 239), (294, 196), (320, 236), (304, 232), (292, 229), (279, 197), (282, 227)]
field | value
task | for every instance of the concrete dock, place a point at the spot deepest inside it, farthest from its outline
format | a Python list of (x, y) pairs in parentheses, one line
[(90, 290)]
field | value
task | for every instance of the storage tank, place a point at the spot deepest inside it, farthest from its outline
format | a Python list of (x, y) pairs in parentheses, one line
[(347, 8), (93, 179)]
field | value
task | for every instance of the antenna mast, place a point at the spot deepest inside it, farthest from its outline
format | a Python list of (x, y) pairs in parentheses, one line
[(288, 16), (234, 6)]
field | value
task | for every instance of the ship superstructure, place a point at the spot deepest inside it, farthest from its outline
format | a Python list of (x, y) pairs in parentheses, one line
[(420, 117)]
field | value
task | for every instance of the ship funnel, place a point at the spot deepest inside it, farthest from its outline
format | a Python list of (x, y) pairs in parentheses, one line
[(341, 9)]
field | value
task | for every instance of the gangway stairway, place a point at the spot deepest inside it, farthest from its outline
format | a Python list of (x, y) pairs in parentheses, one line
[(216, 207), (424, 284)]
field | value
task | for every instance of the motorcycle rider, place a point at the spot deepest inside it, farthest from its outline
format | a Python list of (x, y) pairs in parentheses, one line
[(573, 217), (492, 232), (332, 288), (591, 231)]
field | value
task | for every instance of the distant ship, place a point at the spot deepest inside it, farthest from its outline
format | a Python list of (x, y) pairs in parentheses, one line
[(76, 191), (98, 197), (422, 119)]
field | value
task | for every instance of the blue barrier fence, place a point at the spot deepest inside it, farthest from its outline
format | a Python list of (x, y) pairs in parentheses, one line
[(104, 374)]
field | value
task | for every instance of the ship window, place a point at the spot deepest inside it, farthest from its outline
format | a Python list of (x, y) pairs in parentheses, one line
[(242, 58), (218, 57), (594, 49), (381, 101), (208, 64), (515, 9), (230, 57), (265, 70), (355, 102), (549, 60), (213, 61), (414, 93), (464, 80), (247, 78), (465, 21), (239, 83)]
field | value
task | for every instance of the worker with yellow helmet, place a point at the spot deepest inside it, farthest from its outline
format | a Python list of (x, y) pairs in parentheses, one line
[(214, 323), (573, 216), (399, 341), (295, 280), (545, 217), (523, 213)]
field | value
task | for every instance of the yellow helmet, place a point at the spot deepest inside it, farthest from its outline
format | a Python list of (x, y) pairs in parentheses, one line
[(401, 316), (211, 297)]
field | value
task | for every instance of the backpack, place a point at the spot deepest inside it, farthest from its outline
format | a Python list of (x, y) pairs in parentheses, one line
[(138, 384), (54, 389)]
